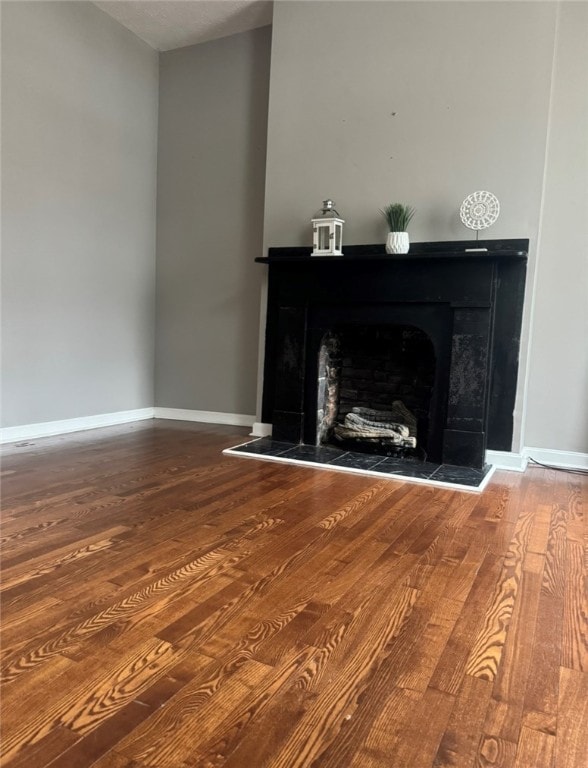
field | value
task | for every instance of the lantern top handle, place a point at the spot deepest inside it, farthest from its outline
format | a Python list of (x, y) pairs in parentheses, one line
[(328, 210)]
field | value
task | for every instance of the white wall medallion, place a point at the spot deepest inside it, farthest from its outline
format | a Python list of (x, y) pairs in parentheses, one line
[(479, 210)]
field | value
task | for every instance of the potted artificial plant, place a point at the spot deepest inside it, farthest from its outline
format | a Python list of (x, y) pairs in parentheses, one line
[(398, 217)]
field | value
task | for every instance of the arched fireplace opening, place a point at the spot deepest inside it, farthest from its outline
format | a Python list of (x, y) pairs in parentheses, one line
[(375, 389)]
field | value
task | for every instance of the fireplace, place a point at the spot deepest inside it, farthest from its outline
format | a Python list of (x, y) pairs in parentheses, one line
[(436, 330)]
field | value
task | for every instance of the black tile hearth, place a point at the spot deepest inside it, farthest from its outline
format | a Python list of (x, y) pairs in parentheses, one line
[(330, 457), (407, 468), (265, 446), (462, 475), (357, 460), (318, 453)]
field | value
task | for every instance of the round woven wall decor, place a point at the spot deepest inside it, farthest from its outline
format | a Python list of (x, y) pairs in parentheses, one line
[(479, 210)]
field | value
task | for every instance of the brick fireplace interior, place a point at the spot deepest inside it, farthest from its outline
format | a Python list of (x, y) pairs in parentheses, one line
[(373, 367)]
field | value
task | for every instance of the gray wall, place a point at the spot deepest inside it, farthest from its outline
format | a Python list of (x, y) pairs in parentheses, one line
[(424, 103), (557, 403), (211, 167), (418, 102), (79, 128)]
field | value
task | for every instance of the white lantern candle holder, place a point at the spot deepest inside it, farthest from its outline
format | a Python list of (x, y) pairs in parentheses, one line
[(327, 231)]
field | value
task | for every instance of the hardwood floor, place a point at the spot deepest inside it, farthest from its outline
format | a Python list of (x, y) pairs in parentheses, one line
[(167, 606)]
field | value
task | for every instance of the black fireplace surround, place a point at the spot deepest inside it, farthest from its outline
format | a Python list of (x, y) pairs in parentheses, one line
[(468, 303)]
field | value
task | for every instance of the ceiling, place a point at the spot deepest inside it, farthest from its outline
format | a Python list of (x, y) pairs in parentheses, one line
[(168, 24)]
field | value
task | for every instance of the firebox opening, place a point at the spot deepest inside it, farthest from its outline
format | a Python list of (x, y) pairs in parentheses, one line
[(375, 385)]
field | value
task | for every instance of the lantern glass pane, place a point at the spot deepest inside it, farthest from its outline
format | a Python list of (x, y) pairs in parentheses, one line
[(323, 241), (338, 229)]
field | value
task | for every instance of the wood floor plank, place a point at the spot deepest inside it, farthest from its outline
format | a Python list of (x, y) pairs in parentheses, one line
[(486, 654), (555, 555), (535, 750), (407, 740), (347, 649), (50, 677), (571, 746), (169, 736), (459, 743), (541, 694), (112, 759), (79, 549), (494, 752), (418, 668), (109, 733), (166, 606), (201, 569), (505, 712), (575, 617), (448, 675), (44, 751), (95, 700)]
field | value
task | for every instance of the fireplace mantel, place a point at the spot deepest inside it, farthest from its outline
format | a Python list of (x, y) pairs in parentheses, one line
[(480, 250), (469, 302)]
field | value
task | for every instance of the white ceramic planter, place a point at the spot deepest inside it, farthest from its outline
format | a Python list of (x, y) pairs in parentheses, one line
[(397, 242)]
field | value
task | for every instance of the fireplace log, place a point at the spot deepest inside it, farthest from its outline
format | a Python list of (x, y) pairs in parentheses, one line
[(353, 421), (398, 414), (373, 434), (370, 424)]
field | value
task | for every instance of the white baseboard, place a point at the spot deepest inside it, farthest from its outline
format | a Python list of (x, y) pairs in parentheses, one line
[(206, 417), (49, 428), (515, 462), (63, 427), (563, 459), (261, 429)]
